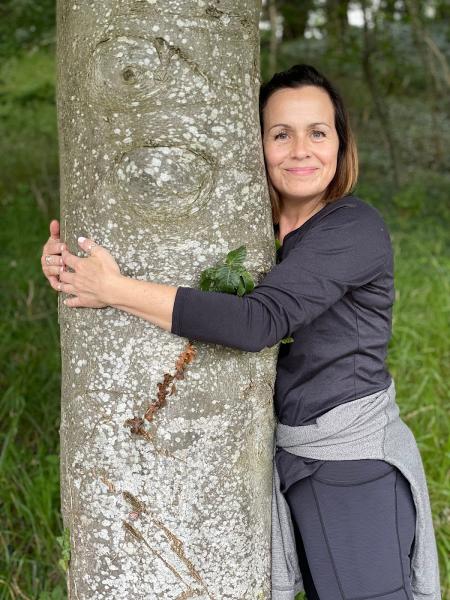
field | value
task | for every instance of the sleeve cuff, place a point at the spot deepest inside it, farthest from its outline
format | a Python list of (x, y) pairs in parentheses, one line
[(177, 312)]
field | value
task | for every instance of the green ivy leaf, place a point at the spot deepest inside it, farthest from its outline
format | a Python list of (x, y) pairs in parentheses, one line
[(207, 279), (247, 282), (229, 277), (277, 244), (235, 258)]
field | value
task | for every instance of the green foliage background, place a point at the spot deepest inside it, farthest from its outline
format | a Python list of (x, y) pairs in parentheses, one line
[(415, 207)]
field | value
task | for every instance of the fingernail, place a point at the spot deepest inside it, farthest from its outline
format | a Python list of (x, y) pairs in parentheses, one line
[(65, 302), (61, 269), (63, 247), (81, 240)]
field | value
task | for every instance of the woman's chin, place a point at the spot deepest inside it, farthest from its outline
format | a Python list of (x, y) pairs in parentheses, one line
[(300, 193)]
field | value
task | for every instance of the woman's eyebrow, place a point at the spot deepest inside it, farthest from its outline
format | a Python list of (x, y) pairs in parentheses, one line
[(290, 126), (280, 125)]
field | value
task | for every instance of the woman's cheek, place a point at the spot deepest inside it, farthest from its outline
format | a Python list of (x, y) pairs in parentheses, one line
[(329, 160)]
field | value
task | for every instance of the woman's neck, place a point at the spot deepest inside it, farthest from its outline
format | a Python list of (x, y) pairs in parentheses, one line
[(294, 214)]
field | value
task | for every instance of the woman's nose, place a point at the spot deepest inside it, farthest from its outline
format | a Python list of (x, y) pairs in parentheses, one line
[(300, 147)]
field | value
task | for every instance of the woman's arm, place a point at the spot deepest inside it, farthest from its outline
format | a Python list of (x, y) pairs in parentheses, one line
[(248, 323), (150, 301), (343, 252)]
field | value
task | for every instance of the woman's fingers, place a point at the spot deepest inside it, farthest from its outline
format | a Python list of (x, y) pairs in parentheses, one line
[(53, 247), (67, 288), (56, 270), (67, 277), (52, 275), (54, 229), (54, 282), (71, 260), (54, 244), (59, 285), (51, 260)]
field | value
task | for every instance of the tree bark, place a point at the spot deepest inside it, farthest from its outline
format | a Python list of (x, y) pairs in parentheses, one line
[(161, 162)]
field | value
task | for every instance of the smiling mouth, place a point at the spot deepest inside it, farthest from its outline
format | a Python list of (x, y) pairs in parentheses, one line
[(302, 171)]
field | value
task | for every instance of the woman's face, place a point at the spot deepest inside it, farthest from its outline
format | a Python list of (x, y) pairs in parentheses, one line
[(300, 142)]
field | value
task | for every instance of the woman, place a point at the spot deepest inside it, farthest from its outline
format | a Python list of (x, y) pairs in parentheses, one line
[(354, 522)]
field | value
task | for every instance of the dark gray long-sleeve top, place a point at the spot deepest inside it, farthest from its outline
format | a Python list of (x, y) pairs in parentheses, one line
[(332, 290)]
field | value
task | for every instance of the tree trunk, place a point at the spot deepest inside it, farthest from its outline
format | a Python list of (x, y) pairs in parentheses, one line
[(295, 17), (336, 23), (432, 78), (161, 162), (381, 108)]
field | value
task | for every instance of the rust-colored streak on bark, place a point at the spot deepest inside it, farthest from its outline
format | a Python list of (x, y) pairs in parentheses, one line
[(136, 424), (186, 357)]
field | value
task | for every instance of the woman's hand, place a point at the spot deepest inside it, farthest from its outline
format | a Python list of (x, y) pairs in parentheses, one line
[(51, 260), (92, 278)]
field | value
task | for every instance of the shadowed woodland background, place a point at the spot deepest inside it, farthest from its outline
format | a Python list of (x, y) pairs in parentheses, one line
[(389, 58)]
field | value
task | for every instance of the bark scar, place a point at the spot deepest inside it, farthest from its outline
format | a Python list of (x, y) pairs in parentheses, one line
[(176, 544)]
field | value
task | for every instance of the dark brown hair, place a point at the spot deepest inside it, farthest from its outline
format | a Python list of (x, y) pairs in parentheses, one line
[(346, 174)]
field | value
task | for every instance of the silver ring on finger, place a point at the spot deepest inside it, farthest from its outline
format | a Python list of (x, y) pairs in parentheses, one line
[(48, 259)]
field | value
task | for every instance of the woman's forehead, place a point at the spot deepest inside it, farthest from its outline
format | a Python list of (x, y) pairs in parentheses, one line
[(307, 104)]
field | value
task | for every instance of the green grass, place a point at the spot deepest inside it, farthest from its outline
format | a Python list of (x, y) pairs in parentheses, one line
[(419, 360), (30, 376)]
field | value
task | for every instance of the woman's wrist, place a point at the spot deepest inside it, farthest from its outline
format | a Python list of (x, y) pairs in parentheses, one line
[(115, 290)]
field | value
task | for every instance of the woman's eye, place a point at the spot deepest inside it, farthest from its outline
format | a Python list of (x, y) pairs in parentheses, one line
[(316, 133)]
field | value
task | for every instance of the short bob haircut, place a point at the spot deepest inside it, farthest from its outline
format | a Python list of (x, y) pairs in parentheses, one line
[(346, 174)]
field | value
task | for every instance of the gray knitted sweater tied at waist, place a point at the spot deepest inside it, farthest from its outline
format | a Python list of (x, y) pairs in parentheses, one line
[(369, 427)]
